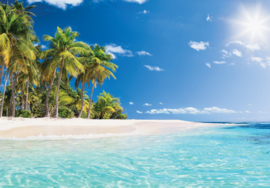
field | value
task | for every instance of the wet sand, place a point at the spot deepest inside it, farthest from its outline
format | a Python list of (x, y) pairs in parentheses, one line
[(23, 128)]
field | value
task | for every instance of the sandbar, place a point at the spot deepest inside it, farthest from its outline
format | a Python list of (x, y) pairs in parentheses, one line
[(36, 127)]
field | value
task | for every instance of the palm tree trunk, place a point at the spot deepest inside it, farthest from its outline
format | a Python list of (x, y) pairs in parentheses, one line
[(89, 110), (3, 98), (14, 103), (58, 87), (52, 111), (13, 90), (48, 94), (80, 114), (2, 71), (22, 107), (13, 98), (102, 115), (12, 95), (113, 115), (26, 97)]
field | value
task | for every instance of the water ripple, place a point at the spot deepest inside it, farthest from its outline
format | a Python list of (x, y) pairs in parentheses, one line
[(219, 157)]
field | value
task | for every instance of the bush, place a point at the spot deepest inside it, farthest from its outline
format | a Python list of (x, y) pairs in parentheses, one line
[(121, 116), (65, 112), (84, 115), (25, 114)]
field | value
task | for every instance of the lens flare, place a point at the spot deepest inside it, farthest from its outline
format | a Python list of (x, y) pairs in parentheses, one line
[(252, 24)]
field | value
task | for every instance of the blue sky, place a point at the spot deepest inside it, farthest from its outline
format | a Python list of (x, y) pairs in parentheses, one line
[(191, 60)]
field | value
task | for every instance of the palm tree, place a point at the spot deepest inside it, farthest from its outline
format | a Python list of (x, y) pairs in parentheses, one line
[(97, 68), (19, 9), (106, 104), (15, 43), (15, 34), (83, 79), (81, 101), (3, 95), (64, 52), (64, 99)]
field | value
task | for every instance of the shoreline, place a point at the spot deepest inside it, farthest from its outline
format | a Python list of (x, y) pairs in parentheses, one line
[(50, 127)]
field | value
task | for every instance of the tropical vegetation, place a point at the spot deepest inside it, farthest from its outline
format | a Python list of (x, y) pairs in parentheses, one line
[(36, 82)]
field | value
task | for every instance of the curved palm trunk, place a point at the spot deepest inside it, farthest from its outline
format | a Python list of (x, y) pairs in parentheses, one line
[(26, 97), (13, 99), (89, 110), (48, 94), (22, 107), (12, 96), (58, 87), (2, 71), (113, 115), (3, 98), (80, 114), (13, 90), (102, 115)]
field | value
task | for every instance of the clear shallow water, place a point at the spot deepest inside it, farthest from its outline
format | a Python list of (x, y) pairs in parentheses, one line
[(214, 157)]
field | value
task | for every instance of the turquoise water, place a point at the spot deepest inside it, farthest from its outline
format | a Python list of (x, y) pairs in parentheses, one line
[(213, 157)]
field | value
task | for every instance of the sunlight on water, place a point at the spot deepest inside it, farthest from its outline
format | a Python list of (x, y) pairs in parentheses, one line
[(232, 156)]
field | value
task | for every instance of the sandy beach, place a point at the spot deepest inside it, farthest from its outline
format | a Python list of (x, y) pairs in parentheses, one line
[(23, 128)]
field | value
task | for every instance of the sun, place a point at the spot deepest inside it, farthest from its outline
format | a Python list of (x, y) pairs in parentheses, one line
[(252, 24)]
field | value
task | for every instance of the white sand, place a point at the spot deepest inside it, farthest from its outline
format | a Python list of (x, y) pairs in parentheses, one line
[(24, 128)]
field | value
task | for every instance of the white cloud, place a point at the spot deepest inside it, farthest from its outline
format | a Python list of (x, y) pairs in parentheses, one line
[(139, 112), (252, 47), (136, 1), (114, 49), (160, 111), (191, 110), (208, 65), (113, 56), (219, 110), (219, 62), (198, 45), (144, 12), (237, 53), (131, 103), (226, 54), (264, 62), (141, 53), (59, 3), (256, 59), (247, 111), (161, 103), (209, 18), (153, 68), (43, 47), (147, 104)]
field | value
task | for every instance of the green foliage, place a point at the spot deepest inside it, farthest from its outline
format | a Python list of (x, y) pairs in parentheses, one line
[(121, 116), (25, 114), (31, 80), (65, 112), (84, 115), (108, 106)]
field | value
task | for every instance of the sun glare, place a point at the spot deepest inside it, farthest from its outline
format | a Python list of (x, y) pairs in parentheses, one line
[(252, 24)]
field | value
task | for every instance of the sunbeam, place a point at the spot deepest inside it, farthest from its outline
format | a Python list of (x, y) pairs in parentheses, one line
[(251, 24)]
